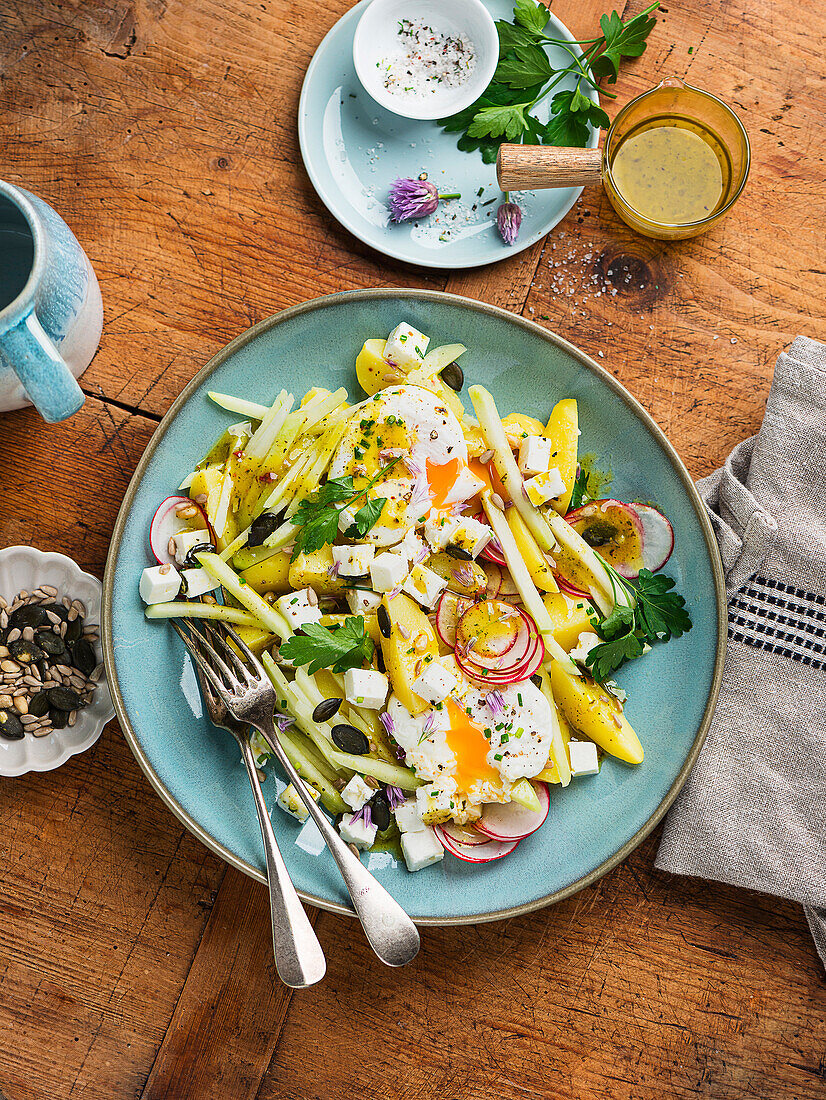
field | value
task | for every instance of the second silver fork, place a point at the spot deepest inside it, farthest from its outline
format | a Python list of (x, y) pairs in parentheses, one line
[(246, 691)]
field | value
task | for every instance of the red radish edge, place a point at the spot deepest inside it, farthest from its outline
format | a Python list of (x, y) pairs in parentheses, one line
[(522, 636), (658, 536), (165, 524), (594, 508), (492, 551), (522, 669), (474, 853), (463, 834), (569, 589), (448, 611), (510, 821)]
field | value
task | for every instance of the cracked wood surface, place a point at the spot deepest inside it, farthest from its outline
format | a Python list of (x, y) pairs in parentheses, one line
[(133, 963)]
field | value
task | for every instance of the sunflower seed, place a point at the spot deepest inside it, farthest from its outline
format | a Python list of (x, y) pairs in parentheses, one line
[(13, 635), (48, 589), (27, 719), (73, 719), (9, 666), (21, 704), (50, 615), (485, 457), (6, 702), (96, 675)]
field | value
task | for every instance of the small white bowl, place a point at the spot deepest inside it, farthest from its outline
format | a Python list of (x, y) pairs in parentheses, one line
[(376, 37), (23, 567)]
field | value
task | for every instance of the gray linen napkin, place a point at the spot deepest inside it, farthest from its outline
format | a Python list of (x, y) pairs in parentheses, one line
[(753, 812)]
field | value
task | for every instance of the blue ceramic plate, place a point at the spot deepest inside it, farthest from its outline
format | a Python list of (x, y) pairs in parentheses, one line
[(353, 150), (196, 769)]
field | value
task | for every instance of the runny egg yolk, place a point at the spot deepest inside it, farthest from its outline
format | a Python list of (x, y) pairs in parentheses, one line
[(487, 473), (441, 477), (468, 744)]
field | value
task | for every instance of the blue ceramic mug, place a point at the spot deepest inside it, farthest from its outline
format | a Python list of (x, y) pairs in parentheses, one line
[(51, 314)]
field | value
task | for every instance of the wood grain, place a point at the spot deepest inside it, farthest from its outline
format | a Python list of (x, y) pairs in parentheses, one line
[(164, 131)]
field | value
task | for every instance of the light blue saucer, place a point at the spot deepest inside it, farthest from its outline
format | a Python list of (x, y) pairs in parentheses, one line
[(353, 150), (196, 769)]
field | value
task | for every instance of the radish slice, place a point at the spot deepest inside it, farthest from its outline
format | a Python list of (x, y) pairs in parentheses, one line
[(657, 537), (507, 589), (488, 631), (615, 530), (450, 608), (474, 853), (494, 575), (519, 663), (570, 589), (463, 834), (493, 551), (511, 821), (165, 524)]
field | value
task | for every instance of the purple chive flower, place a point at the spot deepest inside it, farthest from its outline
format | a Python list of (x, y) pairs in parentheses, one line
[(365, 815), (415, 199), (463, 574), (332, 570), (388, 723), (282, 721), (422, 554), (496, 702), (508, 220), (395, 796)]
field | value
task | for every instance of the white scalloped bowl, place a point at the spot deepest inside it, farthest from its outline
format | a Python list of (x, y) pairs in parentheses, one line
[(24, 567)]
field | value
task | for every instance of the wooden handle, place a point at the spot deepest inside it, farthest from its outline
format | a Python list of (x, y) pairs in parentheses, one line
[(526, 167)]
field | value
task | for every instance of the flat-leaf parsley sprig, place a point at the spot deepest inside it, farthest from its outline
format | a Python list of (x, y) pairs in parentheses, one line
[(651, 612), (525, 76), (317, 516), (347, 646)]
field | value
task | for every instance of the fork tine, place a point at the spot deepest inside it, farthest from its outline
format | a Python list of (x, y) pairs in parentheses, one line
[(245, 649), (238, 664), (207, 669), (206, 686), (211, 640)]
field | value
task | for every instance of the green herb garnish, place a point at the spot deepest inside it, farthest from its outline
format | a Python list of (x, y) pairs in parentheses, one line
[(657, 614), (525, 76), (317, 516), (347, 646)]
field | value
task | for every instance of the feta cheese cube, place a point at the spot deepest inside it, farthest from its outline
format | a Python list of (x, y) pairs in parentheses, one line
[(357, 832), (408, 818), (424, 586), (366, 688), (159, 584), (299, 608), (439, 530), (186, 540), (467, 485), (405, 347), (290, 801), (362, 601), (357, 792), (198, 581), (387, 571), (583, 756), (437, 801), (353, 561), (410, 547), (421, 850), (535, 455), (434, 683), (346, 519), (471, 535), (585, 643), (545, 487)]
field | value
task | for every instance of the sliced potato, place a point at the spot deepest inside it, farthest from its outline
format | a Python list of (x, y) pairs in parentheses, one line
[(313, 571), (593, 711), (519, 425), (471, 579), (207, 482), (373, 371), (570, 618), (272, 575), (538, 567), (257, 640), (563, 431), (411, 645)]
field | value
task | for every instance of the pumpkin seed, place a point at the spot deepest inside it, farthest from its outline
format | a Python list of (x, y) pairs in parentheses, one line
[(51, 644), (30, 614), (385, 626), (458, 552), (537, 680), (349, 739), (380, 811), (58, 718), (10, 726), (261, 528), (453, 376), (63, 698), (326, 709), (190, 560), (83, 657), (74, 630), (25, 652), (39, 704)]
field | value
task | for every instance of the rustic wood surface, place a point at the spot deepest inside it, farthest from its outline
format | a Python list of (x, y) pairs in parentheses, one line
[(133, 963)]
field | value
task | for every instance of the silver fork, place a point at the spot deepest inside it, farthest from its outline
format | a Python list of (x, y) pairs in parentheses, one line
[(299, 958), (250, 698)]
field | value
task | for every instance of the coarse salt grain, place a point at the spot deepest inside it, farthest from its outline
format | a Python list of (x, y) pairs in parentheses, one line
[(427, 61)]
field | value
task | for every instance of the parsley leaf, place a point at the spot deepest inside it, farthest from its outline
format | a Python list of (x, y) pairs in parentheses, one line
[(493, 121), (573, 116), (530, 15), (318, 646), (658, 615), (526, 66), (365, 518), (621, 40), (579, 495)]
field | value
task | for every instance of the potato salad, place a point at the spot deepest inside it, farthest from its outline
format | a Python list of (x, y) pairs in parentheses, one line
[(440, 594)]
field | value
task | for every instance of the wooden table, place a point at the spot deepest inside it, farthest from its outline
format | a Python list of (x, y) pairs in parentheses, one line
[(134, 963)]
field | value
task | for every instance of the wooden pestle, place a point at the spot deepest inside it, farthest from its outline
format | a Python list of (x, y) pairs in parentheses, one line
[(529, 167)]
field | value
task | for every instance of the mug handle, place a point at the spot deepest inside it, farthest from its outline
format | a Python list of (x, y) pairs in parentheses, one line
[(41, 368)]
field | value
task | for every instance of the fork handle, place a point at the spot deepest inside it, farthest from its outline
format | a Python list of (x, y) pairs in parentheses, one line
[(389, 930), (299, 959)]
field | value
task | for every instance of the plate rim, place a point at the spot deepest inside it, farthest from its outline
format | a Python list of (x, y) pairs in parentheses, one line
[(323, 302), (433, 265)]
